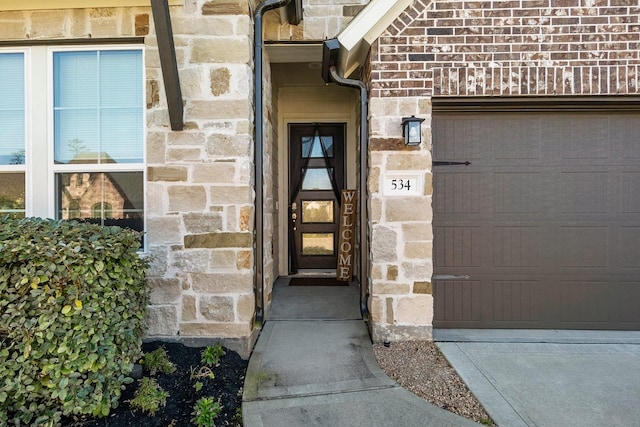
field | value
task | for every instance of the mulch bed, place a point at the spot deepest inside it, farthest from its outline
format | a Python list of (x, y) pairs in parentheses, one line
[(227, 385)]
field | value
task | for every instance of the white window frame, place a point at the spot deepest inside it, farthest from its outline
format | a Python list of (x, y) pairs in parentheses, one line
[(39, 168)]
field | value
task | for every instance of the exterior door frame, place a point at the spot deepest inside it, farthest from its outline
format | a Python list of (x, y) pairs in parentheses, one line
[(337, 161), (312, 105)]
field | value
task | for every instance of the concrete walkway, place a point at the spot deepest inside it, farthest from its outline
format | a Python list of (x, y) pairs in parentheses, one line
[(549, 378), (313, 365)]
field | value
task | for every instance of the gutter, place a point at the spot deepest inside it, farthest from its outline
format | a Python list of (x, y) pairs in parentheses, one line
[(330, 54), (258, 106)]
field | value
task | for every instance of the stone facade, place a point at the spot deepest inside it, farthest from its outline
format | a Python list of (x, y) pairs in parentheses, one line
[(471, 48), (203, 186), (323, 19), (199, 189), (200, 201)]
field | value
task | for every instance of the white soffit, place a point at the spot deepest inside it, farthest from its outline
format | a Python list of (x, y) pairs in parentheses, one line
[(364, 29)]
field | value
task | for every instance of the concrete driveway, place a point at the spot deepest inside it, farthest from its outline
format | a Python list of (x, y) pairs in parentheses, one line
[(549, 378)]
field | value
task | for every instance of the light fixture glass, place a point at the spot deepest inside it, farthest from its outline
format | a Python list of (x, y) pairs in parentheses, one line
[(412, 130)]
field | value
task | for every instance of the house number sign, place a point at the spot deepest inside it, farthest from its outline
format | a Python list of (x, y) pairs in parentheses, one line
[(402, 185)]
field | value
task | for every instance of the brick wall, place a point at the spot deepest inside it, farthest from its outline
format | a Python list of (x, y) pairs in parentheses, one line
[(451, 48), (510, 47)]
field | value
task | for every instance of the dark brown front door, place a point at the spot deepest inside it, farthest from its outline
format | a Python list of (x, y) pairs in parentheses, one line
[(316, 177)]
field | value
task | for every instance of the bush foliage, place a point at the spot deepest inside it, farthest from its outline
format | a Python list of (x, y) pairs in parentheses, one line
[(73, 302)]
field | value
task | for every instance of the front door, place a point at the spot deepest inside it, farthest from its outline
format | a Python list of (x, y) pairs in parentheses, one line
[(316, 178)]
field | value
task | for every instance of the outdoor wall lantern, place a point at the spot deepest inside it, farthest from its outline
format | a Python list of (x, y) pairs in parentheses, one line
[(412, 130)]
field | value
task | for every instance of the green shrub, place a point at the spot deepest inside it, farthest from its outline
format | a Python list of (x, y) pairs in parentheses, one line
[(205, 411), (149, 397), (158, 361), (73, 302), (211, 355)]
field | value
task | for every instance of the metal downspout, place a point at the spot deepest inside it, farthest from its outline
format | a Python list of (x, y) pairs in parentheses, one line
[(258, 106), (364, 151)]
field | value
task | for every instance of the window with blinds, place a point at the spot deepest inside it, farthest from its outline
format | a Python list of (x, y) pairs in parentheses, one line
[(12, 133), (73, 123)]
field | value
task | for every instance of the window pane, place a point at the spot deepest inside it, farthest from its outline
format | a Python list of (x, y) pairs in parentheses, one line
[(12, 194), (12, 109), (123, 125), (75, 79), (98, 107), (316, 179), (120, 78), (317, 211), (317, 243), (312, 146), (104, 198), (76, 136)]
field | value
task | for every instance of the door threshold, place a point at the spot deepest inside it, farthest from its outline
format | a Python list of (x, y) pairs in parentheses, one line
[(314, 273)]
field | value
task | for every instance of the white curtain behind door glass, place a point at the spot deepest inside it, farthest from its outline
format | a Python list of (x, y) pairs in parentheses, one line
[(12, 109), (98, 106)]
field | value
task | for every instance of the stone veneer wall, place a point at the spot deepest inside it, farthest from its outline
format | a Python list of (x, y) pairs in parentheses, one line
[(199, 198), (200, 190), (439, 48), (271, 172), (323, 19)]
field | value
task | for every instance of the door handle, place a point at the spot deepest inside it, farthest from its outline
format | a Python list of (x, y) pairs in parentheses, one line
[(450, 277)]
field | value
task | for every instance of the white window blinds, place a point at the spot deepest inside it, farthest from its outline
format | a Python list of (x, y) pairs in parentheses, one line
[(12, 109), (98, 106)]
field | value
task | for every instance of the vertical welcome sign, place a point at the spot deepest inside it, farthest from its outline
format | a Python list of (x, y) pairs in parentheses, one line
[(344, 270)]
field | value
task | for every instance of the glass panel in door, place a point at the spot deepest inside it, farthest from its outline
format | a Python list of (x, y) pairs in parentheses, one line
[(316, 165)]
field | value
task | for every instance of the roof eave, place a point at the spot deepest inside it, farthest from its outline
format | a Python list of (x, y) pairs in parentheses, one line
[(358, 36)]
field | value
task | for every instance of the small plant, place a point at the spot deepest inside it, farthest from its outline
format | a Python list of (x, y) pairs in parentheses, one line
[(202, 372), (149, 396), (211, 355), (158, 361), (206, 411), (237, 416), (198, 385)]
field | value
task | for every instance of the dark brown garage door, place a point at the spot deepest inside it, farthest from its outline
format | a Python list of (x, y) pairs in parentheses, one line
[(542, 229)]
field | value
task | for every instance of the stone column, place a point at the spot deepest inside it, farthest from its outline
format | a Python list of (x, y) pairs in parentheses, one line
[(401, 301)]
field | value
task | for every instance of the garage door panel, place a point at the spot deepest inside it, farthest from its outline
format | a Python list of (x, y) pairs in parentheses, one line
[(584, 246), (459, 192), (628, 256), (516, 301), (578, 139), (517, 192), (624, 132), (459, 300), (545, 221), (461, 246), (630, 192), (460, 137), (516, 246), (583, 137), (585, 302), (630, 300), (517, 141), (584, 192)]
